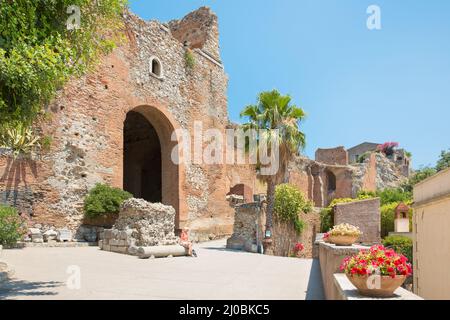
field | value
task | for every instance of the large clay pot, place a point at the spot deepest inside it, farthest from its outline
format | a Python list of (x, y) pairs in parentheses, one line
[(342, 240), (384, 287)]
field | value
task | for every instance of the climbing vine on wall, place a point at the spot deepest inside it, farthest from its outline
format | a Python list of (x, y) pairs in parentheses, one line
[(38, 52)]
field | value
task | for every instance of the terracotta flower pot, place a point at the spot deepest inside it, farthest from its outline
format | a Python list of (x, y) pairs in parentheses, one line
[(384, 287), (343, 240)]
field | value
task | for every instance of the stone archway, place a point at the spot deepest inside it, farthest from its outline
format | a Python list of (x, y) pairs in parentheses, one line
[(148, 170)]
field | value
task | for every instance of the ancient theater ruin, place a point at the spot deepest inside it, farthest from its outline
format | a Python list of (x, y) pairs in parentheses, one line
[(118, 126)]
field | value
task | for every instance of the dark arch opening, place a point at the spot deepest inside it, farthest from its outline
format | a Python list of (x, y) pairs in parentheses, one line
[(142, 159), (331, 178)]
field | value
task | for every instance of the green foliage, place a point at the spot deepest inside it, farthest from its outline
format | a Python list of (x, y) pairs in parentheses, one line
[(12, 227), (363, 157), (390, 195), (46, 143), (326, 219), (189, 59), (104, 200), (417, 177), (38, 54), (289, 202), (18, 137), (388, 216), (444, 161), (275, 111), (400, 244)]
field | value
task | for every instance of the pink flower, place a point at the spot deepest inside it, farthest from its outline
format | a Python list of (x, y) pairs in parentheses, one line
[(299, 247)]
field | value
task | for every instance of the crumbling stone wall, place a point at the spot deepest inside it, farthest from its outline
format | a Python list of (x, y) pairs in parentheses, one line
[(334, 156), (249, 226), (87, 126)]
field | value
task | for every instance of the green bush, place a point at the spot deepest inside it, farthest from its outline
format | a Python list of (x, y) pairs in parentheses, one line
[(12, 227), (104, 200), (388, 216), (289, 202), (400, 244), (366, 194), (189, 59), (326, 219), (391, 195)]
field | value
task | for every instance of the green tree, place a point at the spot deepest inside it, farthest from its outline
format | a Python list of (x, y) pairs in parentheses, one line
[(277, 118), (444, 161), (417, 177), (38, 53)]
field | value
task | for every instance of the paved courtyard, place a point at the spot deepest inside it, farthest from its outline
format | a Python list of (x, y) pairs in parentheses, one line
[(42, 273)]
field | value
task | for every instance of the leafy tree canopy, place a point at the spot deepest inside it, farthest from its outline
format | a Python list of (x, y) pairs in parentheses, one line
[(444, 161), (38, 53)]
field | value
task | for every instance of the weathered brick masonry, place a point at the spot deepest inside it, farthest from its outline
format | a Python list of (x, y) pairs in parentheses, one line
[(147, 75)]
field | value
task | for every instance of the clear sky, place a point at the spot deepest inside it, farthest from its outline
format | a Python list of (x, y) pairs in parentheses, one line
[(355, 84)]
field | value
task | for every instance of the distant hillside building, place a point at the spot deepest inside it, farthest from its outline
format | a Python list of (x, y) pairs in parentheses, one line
[(355, 152)]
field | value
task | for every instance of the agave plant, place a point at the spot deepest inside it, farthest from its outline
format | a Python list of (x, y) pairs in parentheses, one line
[(19, 138)]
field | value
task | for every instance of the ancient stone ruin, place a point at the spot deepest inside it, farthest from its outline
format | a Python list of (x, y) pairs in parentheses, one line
[(140, 224), (116, 125)]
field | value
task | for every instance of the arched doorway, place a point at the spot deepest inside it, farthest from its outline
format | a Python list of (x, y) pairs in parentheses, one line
[(142, 159), (148, 170)]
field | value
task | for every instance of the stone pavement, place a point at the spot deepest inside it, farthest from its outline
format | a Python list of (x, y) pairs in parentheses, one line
[(217, 273)]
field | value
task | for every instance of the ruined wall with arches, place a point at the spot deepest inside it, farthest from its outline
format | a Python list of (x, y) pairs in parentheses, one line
[(146, 78)]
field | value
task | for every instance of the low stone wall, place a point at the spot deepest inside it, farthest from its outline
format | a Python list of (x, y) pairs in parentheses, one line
[(140, 224), (345, 290), (364, 214), (335, 283), (330, 257)]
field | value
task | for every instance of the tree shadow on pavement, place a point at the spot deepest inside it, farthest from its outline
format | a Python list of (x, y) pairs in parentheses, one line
[(20, 288)]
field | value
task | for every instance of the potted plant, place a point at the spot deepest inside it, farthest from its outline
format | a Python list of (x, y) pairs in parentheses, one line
[(344, 234), (377, 272)]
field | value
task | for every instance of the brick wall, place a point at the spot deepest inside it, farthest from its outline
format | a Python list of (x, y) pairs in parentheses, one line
[(363, 214), (332, 156)]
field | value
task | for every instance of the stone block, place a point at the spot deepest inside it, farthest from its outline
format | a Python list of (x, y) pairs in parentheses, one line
[(106, 247), (64, 235), (107, 234), (50, 235), (37, 238)]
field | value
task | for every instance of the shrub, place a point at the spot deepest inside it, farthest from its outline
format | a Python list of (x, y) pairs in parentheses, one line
[(12, 227), (363, 157), (388, 216), (189, 59), (391, 195), (326, 219), (104, 200), (400, 244), (366, 194), (289, 202), (388, 148)]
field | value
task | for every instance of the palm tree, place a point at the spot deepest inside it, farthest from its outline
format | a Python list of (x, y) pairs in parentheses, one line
[(275, 114)]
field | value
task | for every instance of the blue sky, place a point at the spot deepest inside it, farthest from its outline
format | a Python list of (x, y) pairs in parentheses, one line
[(355, 84)]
